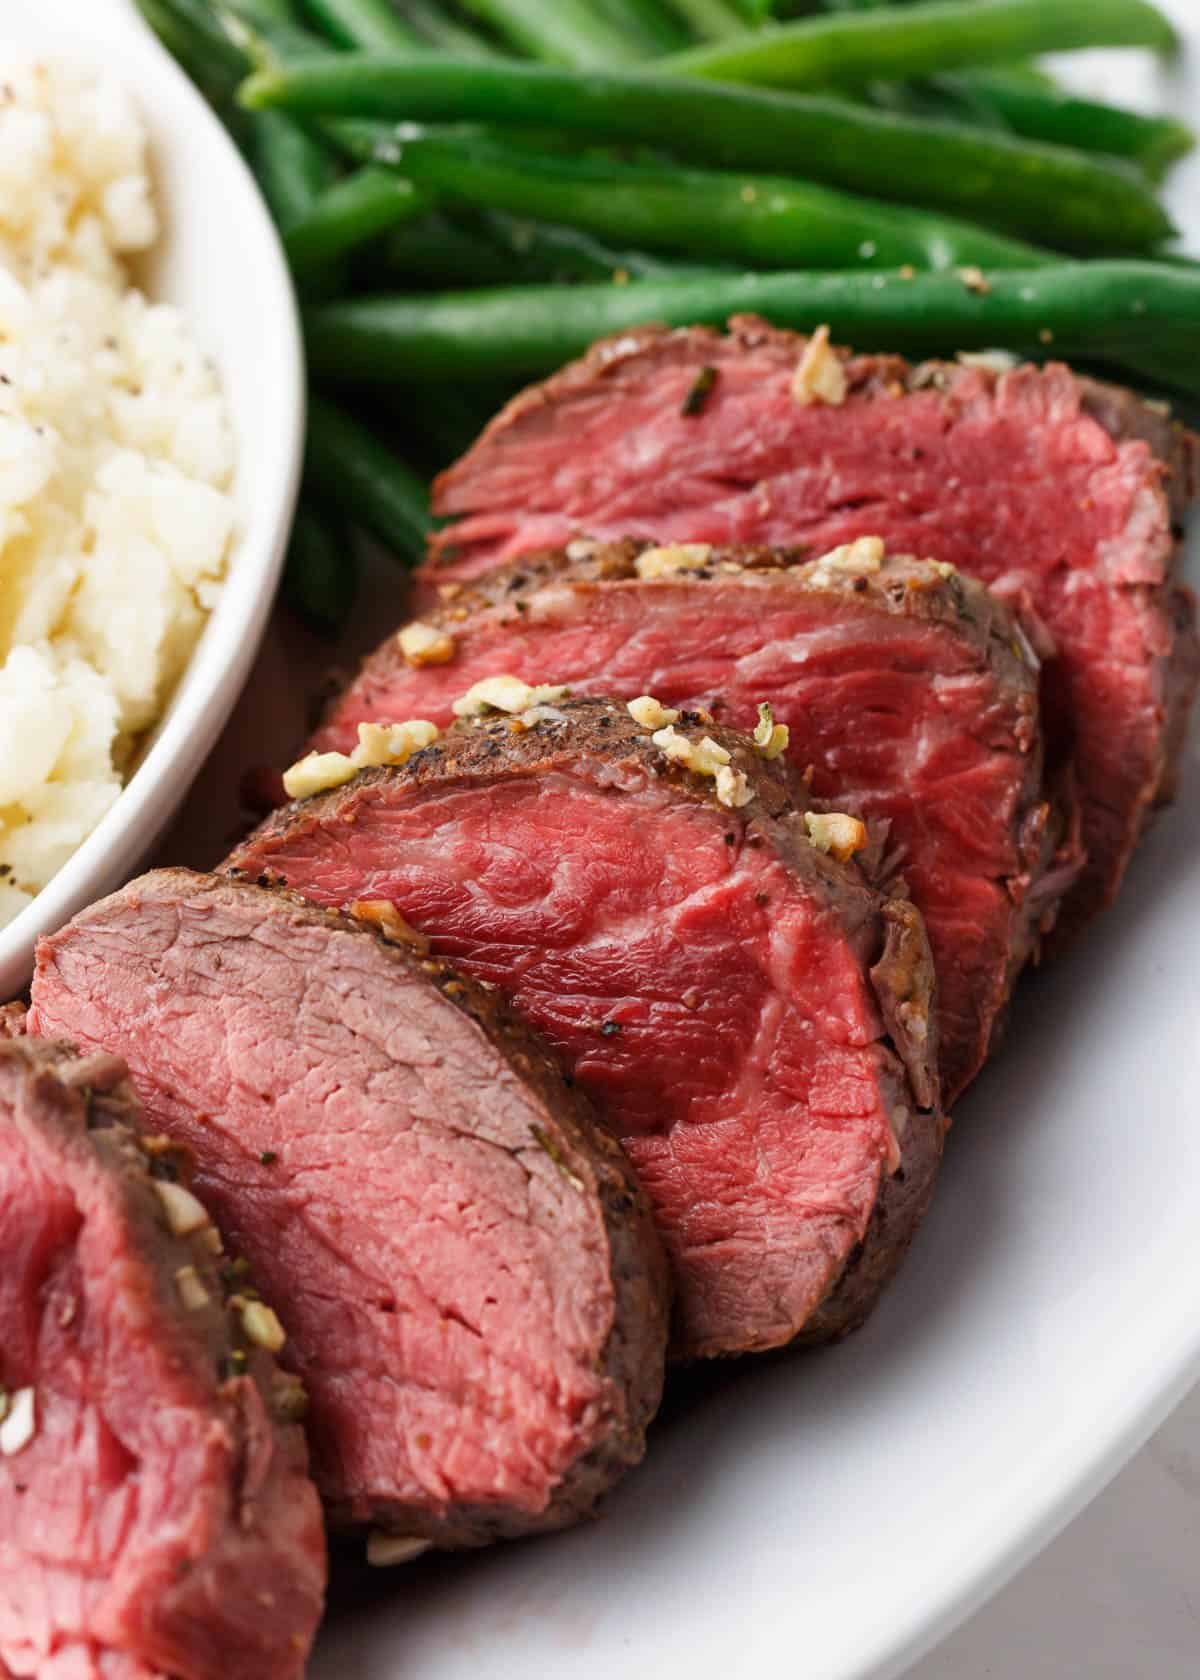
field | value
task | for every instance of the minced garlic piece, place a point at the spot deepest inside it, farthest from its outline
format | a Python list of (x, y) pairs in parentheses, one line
[(425, 644), (185, 1212), (995, 361), (834, 832), (770, 738), (649, 713), (392, 743), (861, 558), (505, 694), (678, 557), (317, 773), (537, 714), (943, 568), (820, 376), (378, 744), (262, 1327), (191, 1291), (733, 788), (704, 757), (382, 914), (384, 1551), (20, 1422)]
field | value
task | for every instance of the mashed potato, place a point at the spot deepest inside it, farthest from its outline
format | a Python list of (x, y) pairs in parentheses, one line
[(116, 455)]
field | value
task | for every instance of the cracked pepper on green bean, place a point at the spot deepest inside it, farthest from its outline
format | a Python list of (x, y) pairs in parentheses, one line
[(1082, 202), (1115, 309), (757, 222)]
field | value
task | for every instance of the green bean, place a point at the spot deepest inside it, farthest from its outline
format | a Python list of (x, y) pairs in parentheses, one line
[(180, 43), (711, 20), (293, 170), (320, 578), (924, 39), (540, 251), (1046, 192), (1154, 143), (522, 331), (264, 39), (190, 33), (499, 250), (370, 24), (438, 251), (273, 11), (650, 22), (1025, 100), (349, 215), (446, 33), (347, 468), (760, 221), (562, 32), (1029, 75), (437, 432)]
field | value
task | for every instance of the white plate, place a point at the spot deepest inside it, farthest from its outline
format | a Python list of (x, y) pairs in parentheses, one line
[(829, 1516), (220, 262)]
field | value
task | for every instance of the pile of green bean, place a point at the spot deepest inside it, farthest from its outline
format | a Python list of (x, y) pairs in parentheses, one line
[(479, 189)]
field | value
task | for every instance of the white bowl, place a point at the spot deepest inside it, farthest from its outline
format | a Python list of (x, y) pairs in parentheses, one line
[(220, 261)]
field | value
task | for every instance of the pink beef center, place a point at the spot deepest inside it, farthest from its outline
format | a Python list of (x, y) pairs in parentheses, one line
[(895, 716), (1020, 488), (449, 1355), (1023, 483), (715, 1013), (108, 1475)]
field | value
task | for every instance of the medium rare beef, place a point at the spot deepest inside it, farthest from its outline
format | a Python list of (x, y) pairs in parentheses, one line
[(156, 1515), (751, 1016), (475, 1297), (911, 694), (1056, 490)]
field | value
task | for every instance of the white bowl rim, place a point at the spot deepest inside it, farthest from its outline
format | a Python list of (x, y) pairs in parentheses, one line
[(221, 661)]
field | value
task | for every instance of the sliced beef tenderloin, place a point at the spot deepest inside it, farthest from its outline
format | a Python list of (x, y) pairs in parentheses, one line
[(1058, 491), (908, 690), (475, 1296), (750, 1015), (156, 1516)]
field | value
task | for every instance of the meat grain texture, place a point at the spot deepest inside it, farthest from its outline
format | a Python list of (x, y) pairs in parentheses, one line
[(910, 695), (1063, 494), (156, 1515), (475, 1297), (752, 1018)]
